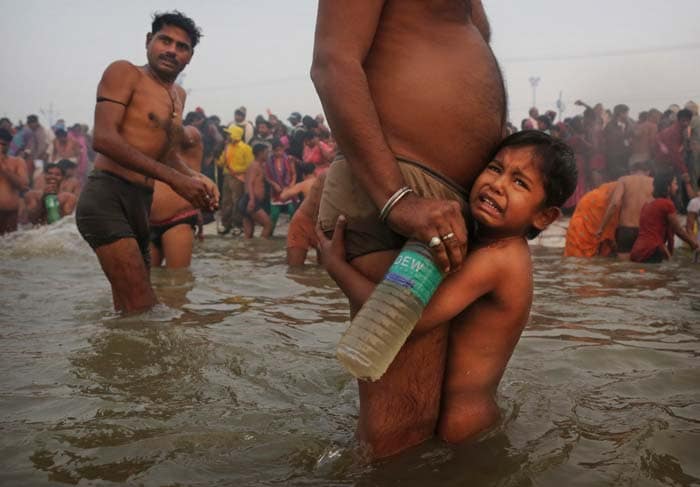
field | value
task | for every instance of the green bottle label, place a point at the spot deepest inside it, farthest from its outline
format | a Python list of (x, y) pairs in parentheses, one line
[(415, 272), (52, 211)]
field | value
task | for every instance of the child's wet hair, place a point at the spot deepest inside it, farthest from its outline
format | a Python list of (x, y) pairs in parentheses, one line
[(556, 159), (259, 149), (557, 165)]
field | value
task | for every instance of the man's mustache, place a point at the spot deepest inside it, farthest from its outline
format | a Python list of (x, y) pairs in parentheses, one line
[(168, 57)]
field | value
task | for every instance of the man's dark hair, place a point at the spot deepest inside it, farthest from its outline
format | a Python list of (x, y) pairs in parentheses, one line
[(51, 165), (5, 135), (309, 122), (32, 119), (662, 183), (5, 119), (177, 19), (556, 163), (620, 109), (640, 166), (546, 121), (309, 135), (259, 149), (684, 114), (66, 164), (192, 117), (306, 168), (60, 132), (276, 143)]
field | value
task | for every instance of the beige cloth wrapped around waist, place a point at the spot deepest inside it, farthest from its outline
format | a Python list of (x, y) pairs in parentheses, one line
[(365, 233)]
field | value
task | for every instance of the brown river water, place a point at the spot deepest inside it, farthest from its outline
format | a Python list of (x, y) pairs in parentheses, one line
[(233, 379)]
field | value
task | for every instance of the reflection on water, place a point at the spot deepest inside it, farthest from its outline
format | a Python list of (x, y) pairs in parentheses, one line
[(232, 380)]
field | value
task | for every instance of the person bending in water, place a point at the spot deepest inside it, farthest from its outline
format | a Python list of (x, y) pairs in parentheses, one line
[(631, 194), (415, 99), (658, 223), (138, 127), (485, 305), (173, 219)]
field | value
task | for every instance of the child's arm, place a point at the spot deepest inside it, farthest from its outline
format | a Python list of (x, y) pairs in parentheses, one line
[(479, 275), (292, 191)]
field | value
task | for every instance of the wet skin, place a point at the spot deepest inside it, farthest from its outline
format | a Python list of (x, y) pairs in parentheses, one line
[(414, 78)]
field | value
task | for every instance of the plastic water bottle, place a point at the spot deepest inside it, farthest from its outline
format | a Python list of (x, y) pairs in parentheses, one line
[(52, 208), (382, 326)]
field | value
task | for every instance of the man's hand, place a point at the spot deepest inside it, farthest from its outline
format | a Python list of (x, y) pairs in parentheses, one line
[(194, 190), (213, 191), (422, 219), (333, 250)]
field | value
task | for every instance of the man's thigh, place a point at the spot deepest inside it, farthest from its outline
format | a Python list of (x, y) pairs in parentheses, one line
[(177, 246), (124, 266), (402, 408)]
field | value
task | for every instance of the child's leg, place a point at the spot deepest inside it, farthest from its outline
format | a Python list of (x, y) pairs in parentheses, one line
[(263, 219), (274, 215), (248, 227)]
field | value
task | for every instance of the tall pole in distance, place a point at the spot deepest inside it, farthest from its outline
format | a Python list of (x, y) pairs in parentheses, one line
[(561, 106), (534, 81)]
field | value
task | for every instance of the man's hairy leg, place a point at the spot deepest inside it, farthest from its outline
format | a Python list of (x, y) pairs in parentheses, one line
[(402, 408), (123, 265)]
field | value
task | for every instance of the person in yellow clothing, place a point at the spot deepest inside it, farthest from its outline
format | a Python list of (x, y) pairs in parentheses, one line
[(235, 159), (582, 239)]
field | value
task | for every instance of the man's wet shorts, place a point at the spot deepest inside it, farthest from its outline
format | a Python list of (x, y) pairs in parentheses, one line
[(365, 233), (111, 208), (625, 237)]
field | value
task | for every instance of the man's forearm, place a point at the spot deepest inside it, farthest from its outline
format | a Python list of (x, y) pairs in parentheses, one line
[(176, 162), (131, 158)]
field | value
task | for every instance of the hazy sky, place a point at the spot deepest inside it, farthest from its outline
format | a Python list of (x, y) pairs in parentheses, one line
[(257, 53)]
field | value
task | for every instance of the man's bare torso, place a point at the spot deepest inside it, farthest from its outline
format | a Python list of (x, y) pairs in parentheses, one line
[(256, 179), (643, 141), (638, 190), (148, 125), (436, 86)]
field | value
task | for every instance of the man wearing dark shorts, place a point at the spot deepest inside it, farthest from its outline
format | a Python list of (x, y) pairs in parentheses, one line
[(630, 195), (138, 128), (378, 67)]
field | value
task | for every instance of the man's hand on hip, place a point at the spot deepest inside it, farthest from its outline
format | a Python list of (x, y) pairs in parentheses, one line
[(423, 219)]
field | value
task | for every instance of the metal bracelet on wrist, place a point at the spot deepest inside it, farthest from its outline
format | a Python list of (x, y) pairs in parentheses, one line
[(392, 201)]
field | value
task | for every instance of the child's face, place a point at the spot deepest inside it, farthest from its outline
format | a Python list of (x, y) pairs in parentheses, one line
[(507, 196)]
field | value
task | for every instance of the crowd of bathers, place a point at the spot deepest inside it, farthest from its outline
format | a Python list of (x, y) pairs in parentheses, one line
[(610, 143), (290, 155)]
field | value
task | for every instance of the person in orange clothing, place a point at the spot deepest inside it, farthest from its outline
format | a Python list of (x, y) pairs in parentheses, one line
[(582, 239)]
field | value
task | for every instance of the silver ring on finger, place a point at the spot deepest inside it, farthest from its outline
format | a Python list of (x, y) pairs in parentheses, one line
[(434, 242), (447, 237)]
